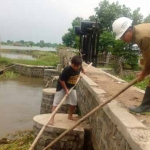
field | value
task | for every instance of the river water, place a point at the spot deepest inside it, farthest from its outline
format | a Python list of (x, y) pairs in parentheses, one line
[(17, 56), (27, 48), (20, 101)]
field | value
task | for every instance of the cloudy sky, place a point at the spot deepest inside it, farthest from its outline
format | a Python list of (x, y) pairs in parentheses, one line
[(48, 20)]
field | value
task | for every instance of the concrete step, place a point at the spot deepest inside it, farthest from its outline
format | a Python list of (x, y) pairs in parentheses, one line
[(72, 141)]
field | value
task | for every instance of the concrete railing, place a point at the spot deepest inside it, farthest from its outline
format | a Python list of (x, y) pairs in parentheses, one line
[(31, 70), (112, 127)]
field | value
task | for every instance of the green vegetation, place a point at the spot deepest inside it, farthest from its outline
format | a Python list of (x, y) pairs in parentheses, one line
[(141, 85), (106, 12), (70, 39), (9, 75), (30, 43), (22, 143), (43, 58)]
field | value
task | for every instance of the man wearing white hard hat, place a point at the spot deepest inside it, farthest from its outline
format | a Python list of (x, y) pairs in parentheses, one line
[(139, 34)]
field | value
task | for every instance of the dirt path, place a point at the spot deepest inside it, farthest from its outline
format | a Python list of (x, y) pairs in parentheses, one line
[(130, 98)]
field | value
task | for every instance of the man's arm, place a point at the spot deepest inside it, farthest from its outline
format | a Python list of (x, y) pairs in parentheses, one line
[(63, 84), (82, 69), (145, 48)]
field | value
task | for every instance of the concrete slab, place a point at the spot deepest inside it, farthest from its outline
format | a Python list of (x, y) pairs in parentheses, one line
[(61, 121), (49, 91)]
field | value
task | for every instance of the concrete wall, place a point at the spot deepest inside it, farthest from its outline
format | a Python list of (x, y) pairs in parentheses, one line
[(112, 127), (31, 70), (74, 140), (47, 102), (49, 74)]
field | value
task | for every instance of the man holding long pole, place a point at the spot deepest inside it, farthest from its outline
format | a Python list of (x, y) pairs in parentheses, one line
[(139, 34), (66, 81)]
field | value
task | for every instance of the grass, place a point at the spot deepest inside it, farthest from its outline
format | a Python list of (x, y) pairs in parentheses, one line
[(9, 75), (43, 58), (141, 85), (23, 141)]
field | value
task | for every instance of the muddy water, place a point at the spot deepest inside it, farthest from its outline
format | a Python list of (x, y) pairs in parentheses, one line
[(20, 101), (17, 56)]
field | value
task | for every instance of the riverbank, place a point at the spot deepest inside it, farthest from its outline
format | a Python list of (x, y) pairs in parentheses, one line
[(17, 141), (21, 102), (43, 58)]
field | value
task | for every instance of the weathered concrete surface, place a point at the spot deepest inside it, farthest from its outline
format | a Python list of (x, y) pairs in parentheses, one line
[(31, 70), (49, 74), (47, 102), (72, 141), (112, 127)]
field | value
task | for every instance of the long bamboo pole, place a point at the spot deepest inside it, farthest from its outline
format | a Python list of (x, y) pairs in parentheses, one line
[(90, 113), (53, 113)]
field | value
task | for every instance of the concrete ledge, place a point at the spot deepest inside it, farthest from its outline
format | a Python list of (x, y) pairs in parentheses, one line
[(30, 70), (34, 66), (112, 122), (92, 87), (129, 126), (87, 81), (74, 140), (123, 81), (61, 121), (49, 91)]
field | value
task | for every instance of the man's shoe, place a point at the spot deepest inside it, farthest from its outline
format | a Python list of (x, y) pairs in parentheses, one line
[(140, 110), (144, 108)]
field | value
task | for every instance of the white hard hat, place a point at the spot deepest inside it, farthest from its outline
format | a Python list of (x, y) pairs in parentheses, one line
[(120, 26)]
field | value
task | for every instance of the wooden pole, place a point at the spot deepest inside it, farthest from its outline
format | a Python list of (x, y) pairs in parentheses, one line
[(53, 113), (90, 113)]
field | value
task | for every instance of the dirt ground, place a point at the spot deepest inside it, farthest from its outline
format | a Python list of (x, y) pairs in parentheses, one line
[(130, 98)]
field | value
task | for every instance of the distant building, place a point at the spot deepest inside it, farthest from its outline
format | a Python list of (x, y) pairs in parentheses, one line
[(17, 44)]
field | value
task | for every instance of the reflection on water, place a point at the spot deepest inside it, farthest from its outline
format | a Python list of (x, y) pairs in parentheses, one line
[(17, 56), (20, 101)]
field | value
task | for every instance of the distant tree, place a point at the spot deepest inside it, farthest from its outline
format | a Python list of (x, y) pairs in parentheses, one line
[(42, 43), (48, 45), (22, 42), (93, 18), (70, 39), (76, 22), (106, 41), (31, 43), (137, 17), (147, 19), (54, 45), (107, 13), (9, 42)]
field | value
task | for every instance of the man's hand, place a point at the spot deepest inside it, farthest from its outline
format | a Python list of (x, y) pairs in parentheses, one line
[(67, 91), (141, 76), (83, 71)]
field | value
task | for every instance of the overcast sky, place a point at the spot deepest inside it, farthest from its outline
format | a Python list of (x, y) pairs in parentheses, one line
[(49, 20)]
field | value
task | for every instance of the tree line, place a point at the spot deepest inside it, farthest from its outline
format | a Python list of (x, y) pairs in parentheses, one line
[(29, 43)]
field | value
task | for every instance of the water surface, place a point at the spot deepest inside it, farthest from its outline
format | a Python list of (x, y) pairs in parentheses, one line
[(17, 56), (27, 48), (20, 101)]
